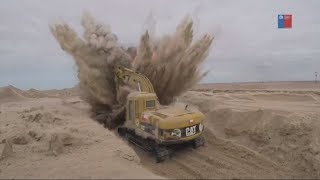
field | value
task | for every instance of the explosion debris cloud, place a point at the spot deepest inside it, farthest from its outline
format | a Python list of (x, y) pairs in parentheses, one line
[(170, 62), (95, 57)]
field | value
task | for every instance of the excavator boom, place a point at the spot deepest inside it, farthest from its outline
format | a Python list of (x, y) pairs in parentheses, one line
[(133, 78)]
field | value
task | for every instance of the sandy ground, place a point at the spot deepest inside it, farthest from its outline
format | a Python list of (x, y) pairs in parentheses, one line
[(299, 85), (260, 130), (55, 138)]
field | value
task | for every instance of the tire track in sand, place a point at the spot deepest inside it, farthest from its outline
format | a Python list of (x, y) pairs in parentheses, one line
[(218, 159)]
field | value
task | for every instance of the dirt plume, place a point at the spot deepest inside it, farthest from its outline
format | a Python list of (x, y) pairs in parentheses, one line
[(171, 63), (96, 57)]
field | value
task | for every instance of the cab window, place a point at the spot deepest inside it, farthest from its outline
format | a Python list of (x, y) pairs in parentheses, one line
[(150, 103)]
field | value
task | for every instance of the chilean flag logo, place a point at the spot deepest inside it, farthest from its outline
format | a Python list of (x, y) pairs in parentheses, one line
[(284, 21)]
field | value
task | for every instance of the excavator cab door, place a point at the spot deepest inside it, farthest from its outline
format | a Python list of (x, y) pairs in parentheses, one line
[(132, 112)]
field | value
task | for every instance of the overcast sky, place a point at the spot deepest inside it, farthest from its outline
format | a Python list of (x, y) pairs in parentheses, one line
[(248, 44)]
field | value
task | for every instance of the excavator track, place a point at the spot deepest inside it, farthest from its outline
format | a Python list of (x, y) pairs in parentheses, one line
[(161, 152)]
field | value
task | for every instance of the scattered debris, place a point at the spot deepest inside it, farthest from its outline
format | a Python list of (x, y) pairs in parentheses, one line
[(125, 155), (37, 117), (41, 117), (7, 150), (35, 135), (66, 139), (20, 139), (55, 145), (33, 109)]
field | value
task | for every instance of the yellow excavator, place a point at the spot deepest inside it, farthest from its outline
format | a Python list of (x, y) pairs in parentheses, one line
[(154, 127)]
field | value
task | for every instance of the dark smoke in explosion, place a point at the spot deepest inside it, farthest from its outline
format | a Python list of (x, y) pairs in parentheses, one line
[(171, 63)]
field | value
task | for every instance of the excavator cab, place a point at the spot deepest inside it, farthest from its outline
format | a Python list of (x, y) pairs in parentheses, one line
[(139, 102)]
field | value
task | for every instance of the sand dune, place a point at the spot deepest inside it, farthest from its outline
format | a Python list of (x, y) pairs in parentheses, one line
[(10, 93), (33, 93)]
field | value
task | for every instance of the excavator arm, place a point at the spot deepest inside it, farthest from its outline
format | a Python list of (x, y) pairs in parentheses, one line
[(133, 78)]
